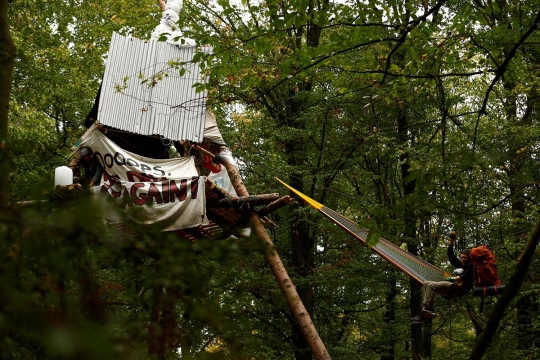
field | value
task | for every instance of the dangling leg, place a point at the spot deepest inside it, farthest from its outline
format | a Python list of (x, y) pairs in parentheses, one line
[(427, 304), (430, 288)]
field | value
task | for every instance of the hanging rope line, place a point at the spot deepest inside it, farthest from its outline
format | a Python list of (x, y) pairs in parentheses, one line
[(408, 263)]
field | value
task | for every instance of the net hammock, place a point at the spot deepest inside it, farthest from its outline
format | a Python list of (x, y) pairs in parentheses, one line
[(410, 264)]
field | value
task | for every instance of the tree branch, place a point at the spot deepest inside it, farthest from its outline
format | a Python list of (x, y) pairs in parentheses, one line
[(486, 210), (510, 292), (500, 72), (427, 76), (410, 25)]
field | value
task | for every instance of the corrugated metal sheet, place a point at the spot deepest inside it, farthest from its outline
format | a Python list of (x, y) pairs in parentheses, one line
[(166, 104)]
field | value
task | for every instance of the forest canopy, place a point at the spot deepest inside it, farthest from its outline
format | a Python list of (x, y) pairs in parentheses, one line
[(412, 118)]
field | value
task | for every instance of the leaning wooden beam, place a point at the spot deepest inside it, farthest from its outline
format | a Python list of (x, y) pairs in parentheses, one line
[(197, 147), (238, 202), (287, 287), (276, 205), (28, 202)]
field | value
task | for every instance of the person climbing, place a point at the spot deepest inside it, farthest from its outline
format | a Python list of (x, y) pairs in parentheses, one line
[(92, 167), (451, 287)]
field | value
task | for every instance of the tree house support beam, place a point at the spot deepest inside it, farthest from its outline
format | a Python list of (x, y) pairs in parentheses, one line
[(278, 269)]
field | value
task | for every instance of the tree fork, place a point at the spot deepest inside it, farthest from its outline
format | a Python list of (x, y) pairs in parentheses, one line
[(287, 287)]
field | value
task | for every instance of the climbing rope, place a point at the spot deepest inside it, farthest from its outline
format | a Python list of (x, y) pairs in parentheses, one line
[(408, 263)]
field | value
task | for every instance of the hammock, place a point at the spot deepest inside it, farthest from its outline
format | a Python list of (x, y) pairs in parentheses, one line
[(410, 264)]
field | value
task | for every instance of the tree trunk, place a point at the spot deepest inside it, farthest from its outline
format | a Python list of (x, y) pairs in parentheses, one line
[(296, 306), (425, 235), (409, 187), (415, 304), (154, 328), (525, 306), (389, 317), (504, 15), (7, 59), (302, 241), (426, 339), (303, 248)]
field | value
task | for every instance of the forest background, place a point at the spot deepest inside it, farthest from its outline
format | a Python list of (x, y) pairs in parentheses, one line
[(413, 118)]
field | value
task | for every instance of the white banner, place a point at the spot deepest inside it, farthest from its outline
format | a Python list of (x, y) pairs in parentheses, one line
[(166, 204), (168, 194), (132, 167)]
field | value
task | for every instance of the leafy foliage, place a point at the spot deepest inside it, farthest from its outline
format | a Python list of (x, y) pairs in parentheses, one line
[(411, 118)]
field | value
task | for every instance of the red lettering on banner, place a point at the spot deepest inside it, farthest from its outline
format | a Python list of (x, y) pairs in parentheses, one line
[(181, 194), (105, 187), (132, 175), (126, 199), (153, 193), (169, 192), (137, 200), (165, 191), (109, 181), (150, 177), (194, 187)]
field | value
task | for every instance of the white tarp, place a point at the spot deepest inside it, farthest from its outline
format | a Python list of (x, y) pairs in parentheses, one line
[(222, 180), (166, 193), (211, 130)]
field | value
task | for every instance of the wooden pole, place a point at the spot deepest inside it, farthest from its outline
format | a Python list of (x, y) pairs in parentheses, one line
[(276, 205), (287, 287), (28, 202), (253, 200)]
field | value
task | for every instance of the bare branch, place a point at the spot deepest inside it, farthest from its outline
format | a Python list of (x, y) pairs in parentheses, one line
[(485, 211), (426, 76), (512, 288)]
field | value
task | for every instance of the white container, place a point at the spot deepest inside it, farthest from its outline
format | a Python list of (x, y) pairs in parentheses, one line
[(63, 176)]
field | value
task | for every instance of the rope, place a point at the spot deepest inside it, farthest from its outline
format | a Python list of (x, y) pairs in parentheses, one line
[(408, 263), (353, 198)]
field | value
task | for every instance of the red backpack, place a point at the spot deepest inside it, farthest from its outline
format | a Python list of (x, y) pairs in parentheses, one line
[(485, 268)]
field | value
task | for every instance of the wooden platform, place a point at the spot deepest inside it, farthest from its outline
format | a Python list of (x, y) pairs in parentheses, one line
[(227, 215)]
